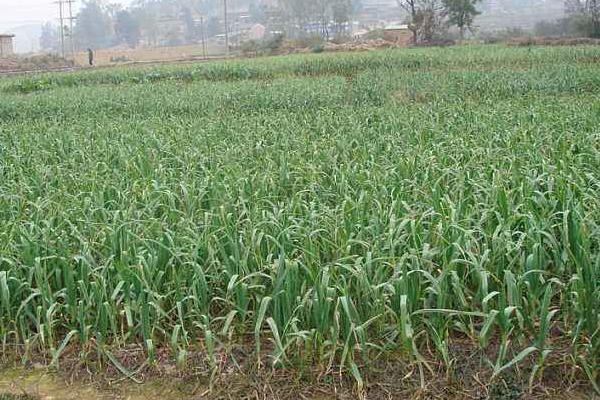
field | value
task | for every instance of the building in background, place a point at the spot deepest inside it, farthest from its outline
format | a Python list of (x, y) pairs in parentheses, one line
[(257, 32), (6, 45), (269, 3), (399, 34), (376, 14)]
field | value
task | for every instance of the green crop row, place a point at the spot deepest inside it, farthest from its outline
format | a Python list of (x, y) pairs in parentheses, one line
[(333, 218), (348, 65)]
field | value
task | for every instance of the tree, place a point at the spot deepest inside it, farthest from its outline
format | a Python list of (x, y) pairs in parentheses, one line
[(127, 28), (188, 24), (214, 26), (587, 15), (341, 11), (312, 17), (425, 18), (461, 13), (49, 38), (296, 14), (94, 26), (257, 12), (321, 12), (148, 23), (412, 7)]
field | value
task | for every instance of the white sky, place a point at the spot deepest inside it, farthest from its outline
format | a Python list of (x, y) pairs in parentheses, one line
[(21, 12)]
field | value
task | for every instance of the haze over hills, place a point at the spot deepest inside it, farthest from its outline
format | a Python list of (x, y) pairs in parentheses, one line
[(499, 14), (27, 37), (496, 14)]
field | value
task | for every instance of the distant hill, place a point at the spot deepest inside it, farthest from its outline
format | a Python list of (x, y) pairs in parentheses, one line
[(27, 37), (500, 14)]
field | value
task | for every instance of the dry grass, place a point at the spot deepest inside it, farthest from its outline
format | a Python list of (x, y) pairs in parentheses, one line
[(552, 41), (105, 57), (238, 377), (39, 62)]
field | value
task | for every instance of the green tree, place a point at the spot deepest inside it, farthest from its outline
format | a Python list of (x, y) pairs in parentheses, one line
[(127, 28), (189, 26), (94, 26), (587, 15), (214, 27), (49, 38), (461, 13)]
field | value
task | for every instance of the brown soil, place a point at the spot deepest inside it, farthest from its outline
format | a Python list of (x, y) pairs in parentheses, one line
[(124, 55), (236, 374), (361, 46), (549, 41), (41, 62)]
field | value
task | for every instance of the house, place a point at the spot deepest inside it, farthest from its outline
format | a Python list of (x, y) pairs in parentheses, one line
[(375, 14), (6, 45), (399, 34), (256, 32), (360, 34)]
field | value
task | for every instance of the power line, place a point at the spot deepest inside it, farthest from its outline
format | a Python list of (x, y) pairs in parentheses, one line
[(71, 32), (63, 19), (62, 27), (204, 52), (226, 27)]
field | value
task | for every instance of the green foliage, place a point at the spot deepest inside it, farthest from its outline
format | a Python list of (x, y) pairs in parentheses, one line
[(337, 206), (319, 48), (127, 28), (93, 26), (575, 25), (461, 13), (586, 16), (271, 44), (264, 47), (49, 38)]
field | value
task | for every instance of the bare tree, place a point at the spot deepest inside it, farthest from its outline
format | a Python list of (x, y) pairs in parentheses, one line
[(321, 13), (412, 7), (296, 13), (590, 11), (426, 17), (315, 16)]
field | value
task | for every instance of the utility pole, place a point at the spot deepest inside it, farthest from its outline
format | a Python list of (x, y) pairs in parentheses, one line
[(62, 27), (204, 52), (71, 33), (226, 28)]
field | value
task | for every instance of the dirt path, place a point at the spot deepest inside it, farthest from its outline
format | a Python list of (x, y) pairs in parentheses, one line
[(43, 385)]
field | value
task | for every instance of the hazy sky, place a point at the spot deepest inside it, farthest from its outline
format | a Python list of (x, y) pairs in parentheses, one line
[(20, 12)]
